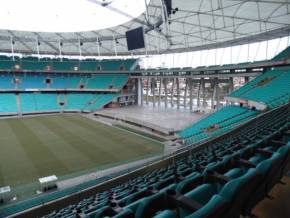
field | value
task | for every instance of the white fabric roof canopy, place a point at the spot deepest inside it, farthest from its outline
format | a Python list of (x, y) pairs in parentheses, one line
[(197, 25)]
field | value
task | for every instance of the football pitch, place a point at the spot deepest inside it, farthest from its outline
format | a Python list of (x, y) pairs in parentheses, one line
[(63, 145)]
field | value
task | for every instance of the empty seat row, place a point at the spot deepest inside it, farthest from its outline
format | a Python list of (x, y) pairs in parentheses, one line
[(61, 81), (271, 88), (217, 123), (227, 178)]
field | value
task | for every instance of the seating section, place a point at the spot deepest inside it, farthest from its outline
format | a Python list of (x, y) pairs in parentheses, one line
[(43, 64), (62, 81), (45, 102), (87, 102), (217, 123), (58, 91), (227, 178), (271, 88), (106, 81), (37, 102), (285, 54), (99, 100), (6, 81), (29, 81), (8, 103)]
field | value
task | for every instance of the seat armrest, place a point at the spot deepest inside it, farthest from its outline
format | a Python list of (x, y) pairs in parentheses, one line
[(245, 163), (218, 178), (184, 202), (277, 143), (264, 152)]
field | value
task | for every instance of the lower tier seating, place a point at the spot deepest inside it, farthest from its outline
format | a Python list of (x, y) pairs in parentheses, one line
[(271, 88), (225, 179), (47, 102), (8, 103), (87, 101), (217, 123)]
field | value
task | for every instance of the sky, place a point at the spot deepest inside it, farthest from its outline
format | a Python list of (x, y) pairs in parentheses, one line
[(264, 50), (67, 15)]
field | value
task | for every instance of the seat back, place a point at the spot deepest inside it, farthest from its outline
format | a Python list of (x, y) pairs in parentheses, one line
[(215, 208), (189, 184), (285, 150), (259, 189), (274, 173), (150, 205), (238, 190)]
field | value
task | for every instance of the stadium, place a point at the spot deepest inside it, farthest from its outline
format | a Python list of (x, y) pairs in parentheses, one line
[(145, 108)]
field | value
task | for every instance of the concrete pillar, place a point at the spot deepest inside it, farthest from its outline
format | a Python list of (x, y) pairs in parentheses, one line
[(159, 97), (165, 91), (217, 97), (140, 91), (213, 93), (198, 93), (153, 86), (185, 93), (178, 93), (172, 93), (231, 84), (190, 83), (203, 92), (147, 90)]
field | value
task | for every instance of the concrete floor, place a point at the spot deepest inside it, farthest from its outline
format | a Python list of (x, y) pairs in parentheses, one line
[(279, 207), (168, 118)]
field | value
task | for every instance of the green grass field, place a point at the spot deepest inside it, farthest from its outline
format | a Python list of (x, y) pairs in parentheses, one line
[(64, 145)]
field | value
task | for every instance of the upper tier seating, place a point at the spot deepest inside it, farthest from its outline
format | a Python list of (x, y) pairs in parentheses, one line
[(67, 81), (43, 64), (106, 81), (282, 55), (31, 81), (61, 81), (217, 123), (271, 88), (225, 179)]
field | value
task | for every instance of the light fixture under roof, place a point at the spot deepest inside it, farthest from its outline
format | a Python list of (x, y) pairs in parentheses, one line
[(67, 15)]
